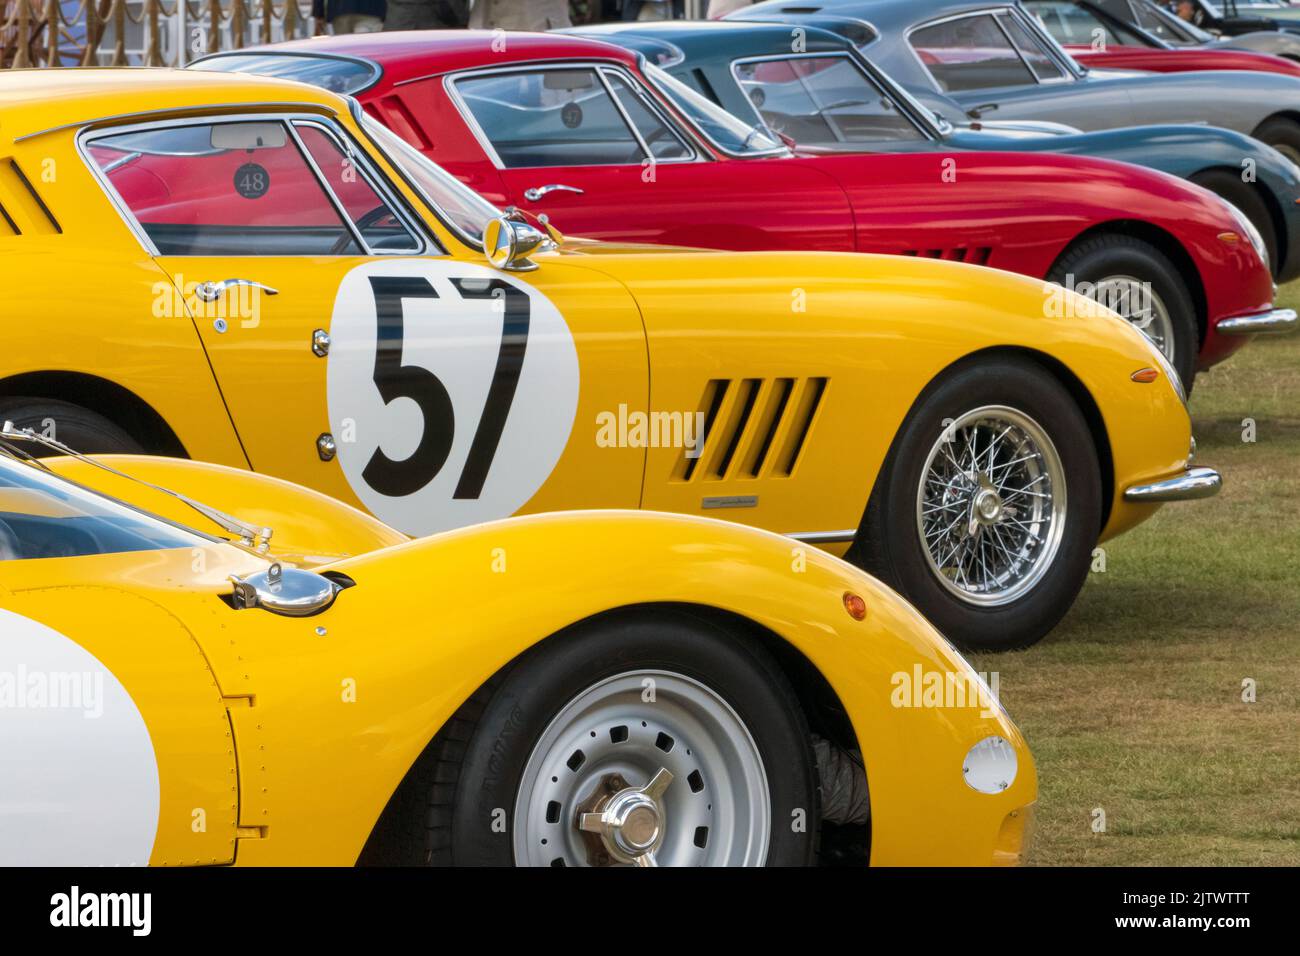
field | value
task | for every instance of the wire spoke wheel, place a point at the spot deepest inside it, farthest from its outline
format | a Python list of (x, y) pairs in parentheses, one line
[(646, 768), (991, 504), (1142, 306)]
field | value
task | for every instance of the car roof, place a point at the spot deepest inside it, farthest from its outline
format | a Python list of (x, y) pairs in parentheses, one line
[(706, 40), (41, 100), (413, 54), (885, 14)]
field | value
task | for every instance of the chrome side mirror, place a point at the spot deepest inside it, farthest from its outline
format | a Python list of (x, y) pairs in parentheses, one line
[(508, 243)]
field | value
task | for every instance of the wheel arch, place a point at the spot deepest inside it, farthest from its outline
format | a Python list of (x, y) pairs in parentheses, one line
[(1069, 381), (114, 402), (1281, 235), (1290, 116), (821, 705), (1168, 244)]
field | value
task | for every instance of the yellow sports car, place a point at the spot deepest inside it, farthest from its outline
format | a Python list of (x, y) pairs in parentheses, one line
[(583, 688), (248, 271)]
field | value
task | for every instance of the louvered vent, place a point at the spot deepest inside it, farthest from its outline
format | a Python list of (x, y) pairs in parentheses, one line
[(753, 428), (975, 255), (18, 193)]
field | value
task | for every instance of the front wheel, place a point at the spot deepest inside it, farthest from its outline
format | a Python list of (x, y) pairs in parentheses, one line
[(988, 506), (657, 741), (1139, 282)]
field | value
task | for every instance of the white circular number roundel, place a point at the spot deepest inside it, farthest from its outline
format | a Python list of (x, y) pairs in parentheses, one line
[(78, 776), (452, 390)]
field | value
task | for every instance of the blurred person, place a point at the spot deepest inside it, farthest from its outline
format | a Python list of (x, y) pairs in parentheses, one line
[(350, 16), (1186, 10), (654, 9), (426, 14), (720, 8), (519, 15)]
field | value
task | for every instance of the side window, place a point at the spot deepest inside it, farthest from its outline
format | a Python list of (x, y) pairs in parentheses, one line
[(969, 54), (223, 189), (380, 227), (562, 117), (824, 99), (1072, 25), (658, 136), (1039, 60)]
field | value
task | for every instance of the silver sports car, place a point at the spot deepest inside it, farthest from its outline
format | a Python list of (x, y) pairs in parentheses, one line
[(996, 62), (1165, 25)]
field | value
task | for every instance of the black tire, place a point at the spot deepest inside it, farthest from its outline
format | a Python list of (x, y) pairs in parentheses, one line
[(441, 814), (1245, 196), (77, 427), (1282, 134), (890, 544), (1104, 256)]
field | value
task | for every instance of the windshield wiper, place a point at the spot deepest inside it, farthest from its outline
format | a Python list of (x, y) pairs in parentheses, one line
[(250, 536)]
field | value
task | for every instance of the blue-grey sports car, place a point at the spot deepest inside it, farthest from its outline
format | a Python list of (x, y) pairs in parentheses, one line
[(1231, 17), (992, 57), (820, 89), (1165, 26)]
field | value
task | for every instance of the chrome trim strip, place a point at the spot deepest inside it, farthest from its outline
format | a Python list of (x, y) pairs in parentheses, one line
[(188, 109), (824, 537), (1274, 321), (1192, 484)]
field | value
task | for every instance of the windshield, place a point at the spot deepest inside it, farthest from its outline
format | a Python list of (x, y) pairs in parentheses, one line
[(328, 72), (453, 200), (45, 516), (727, 132)]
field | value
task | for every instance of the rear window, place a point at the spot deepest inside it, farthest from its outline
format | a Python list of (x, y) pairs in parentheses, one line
[(971, 53), (331, 73)]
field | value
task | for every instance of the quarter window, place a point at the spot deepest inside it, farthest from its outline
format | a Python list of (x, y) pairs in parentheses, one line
[(373, 218), (563, 117), (819, 100), (223, 189), (971, 53), (663, 143), (1027, 44)]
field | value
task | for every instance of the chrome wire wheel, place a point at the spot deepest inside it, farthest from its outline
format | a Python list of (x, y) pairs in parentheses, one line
[(646, 768), (1141, 305), (990, 507)]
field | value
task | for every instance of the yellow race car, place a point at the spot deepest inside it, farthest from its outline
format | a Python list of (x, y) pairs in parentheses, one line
[(582, 688), (250, 272)]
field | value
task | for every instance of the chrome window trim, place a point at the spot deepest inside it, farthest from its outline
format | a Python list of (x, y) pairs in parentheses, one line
[(450, 81), (376, 71), (993, 12), (649, 104), (87, 136), (1048, 44), (187, 110), (927, 129), (1062, 74)]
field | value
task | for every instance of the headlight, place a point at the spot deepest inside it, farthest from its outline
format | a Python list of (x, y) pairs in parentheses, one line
[(1248, 227), (990, 766)]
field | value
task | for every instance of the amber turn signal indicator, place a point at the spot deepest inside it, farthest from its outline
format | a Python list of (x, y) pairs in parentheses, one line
[(1145, 375), (854, 604)]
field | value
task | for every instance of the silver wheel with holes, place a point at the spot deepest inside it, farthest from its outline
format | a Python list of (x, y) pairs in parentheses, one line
[(991, 505), (645, 768)]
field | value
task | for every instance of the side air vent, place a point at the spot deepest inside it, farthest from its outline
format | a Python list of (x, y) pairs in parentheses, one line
[(19, 191), (753, 428), (975, 255)]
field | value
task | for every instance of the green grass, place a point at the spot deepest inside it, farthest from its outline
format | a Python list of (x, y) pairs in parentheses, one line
[(1134, 704)]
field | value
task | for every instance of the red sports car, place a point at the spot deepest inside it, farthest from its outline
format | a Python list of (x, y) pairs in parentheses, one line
[(611, 147)]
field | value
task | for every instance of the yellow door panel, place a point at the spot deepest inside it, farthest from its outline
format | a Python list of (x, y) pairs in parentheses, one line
[(447, 392)]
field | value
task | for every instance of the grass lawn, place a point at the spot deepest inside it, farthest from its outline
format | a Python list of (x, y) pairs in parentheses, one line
[(1134, 704)]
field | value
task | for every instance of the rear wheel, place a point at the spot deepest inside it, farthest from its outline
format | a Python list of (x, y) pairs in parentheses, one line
[(1139, 282), (1246, 198), (1283, 135), (74, 426), (989, 505), (663, 741)]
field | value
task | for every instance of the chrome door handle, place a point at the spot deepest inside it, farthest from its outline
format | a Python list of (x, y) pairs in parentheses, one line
[(211, 291), (537, 192)]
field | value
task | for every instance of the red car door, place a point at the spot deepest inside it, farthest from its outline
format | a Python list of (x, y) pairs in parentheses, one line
[(586, 146)]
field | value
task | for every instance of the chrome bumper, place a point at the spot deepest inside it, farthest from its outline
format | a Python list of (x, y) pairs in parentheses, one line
[(1191, 484), (1274, 321)]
